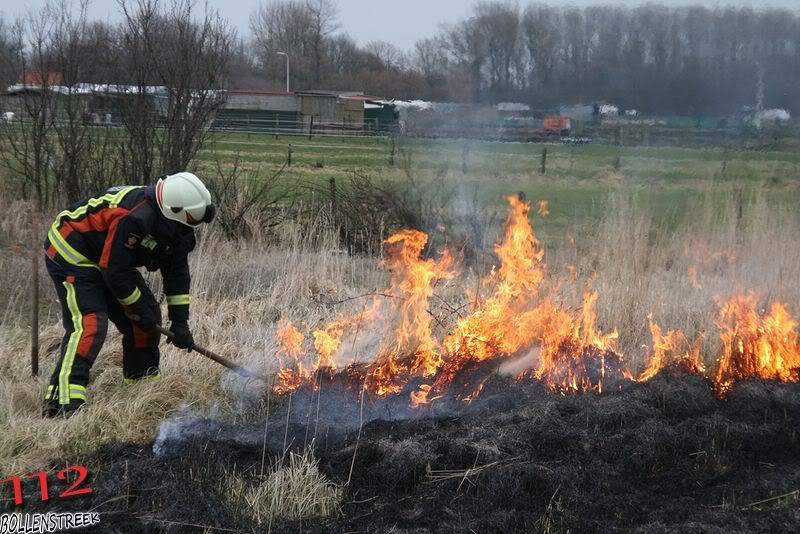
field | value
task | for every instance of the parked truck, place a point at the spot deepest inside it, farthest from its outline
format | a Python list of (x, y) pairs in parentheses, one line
[(556, 125)]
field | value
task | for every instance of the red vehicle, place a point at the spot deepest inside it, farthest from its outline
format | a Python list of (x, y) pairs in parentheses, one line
[(556, 125)]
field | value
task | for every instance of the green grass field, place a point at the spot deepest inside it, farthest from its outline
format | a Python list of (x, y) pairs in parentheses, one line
[(577, 182), (498, 159)]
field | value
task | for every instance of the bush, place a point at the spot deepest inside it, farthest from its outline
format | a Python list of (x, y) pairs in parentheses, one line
[(248, 200)]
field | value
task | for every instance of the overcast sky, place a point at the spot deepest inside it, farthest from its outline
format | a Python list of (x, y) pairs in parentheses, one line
[(400, 22)]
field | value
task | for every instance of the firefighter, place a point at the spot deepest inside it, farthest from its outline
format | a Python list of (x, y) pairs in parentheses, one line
[(93, 250)]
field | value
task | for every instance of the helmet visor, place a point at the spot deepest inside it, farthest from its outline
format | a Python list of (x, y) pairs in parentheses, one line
[(207, 217)]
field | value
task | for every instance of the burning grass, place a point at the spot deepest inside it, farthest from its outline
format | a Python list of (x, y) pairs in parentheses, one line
[(409, 337), (517, 311)]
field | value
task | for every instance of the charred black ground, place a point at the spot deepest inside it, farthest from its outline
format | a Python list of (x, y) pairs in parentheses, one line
[(662, 456)]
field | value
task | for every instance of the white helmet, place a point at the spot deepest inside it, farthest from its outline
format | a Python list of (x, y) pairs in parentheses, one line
[(182, 197)]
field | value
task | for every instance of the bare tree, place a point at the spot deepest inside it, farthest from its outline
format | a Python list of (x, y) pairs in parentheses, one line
[(179, 62), (137, 103), (389, 56), (465, 45), (244, 73), (71, 132), (28, 152), (301, 28), (323, 15), (10, 49), (541, 29), (499, 23), (283, 26), (344, 55)]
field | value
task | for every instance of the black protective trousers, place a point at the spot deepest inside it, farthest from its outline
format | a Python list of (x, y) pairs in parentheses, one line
[(87, 306)]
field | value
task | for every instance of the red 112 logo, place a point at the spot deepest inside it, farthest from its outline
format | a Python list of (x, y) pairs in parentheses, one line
[(74, 490)]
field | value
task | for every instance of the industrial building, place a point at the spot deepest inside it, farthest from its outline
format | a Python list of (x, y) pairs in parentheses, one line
[(307, 111), (314, 112)]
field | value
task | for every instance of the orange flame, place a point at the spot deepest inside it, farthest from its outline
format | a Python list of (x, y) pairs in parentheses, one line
[(511, 316), (501, 325), (413, 279), (575, 356), (756, 344), (328, 340), (414, 352), (543, 210), (292, 373), (672, 349)]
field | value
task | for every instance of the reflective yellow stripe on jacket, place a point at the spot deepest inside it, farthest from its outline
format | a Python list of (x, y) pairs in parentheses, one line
[(64, 249), (113, 200)]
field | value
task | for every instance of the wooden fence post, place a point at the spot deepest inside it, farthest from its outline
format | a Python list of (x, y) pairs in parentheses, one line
[(332, 183), (35, 255), (544, 161)]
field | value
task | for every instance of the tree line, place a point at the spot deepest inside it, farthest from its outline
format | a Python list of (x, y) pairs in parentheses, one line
[(663, 60), (658, 59), (161, 69), (654, 58), (686, 60)]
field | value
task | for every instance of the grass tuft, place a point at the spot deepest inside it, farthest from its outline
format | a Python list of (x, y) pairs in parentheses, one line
[(293, 490)]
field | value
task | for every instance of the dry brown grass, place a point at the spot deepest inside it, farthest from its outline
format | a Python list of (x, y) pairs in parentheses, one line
[(293, 490), (243, 289), (240, 291), (680, 274)]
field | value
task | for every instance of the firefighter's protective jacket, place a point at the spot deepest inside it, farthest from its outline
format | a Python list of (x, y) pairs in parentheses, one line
[(122, 229)]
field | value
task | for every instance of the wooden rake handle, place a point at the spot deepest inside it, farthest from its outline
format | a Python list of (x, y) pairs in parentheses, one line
[(241, 371)]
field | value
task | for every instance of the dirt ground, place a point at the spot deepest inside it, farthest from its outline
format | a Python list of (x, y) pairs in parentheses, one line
[(661, 456)]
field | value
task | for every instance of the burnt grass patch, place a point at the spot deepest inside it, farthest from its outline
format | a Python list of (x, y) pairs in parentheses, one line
[(662, 456)]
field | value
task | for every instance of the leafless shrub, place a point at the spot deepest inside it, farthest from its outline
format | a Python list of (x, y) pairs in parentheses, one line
[(368, 209), (248, 200)]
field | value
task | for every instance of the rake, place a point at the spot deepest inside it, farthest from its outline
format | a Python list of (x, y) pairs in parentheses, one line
[(241, 371)]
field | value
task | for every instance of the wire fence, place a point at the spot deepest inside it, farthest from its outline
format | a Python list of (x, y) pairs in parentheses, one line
[(779, 136), (302, 126)]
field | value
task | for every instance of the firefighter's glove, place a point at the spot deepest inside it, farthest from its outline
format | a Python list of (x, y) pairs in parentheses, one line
[(182, 336)]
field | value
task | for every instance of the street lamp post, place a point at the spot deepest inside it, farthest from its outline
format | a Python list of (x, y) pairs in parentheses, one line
[(287, 68)]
